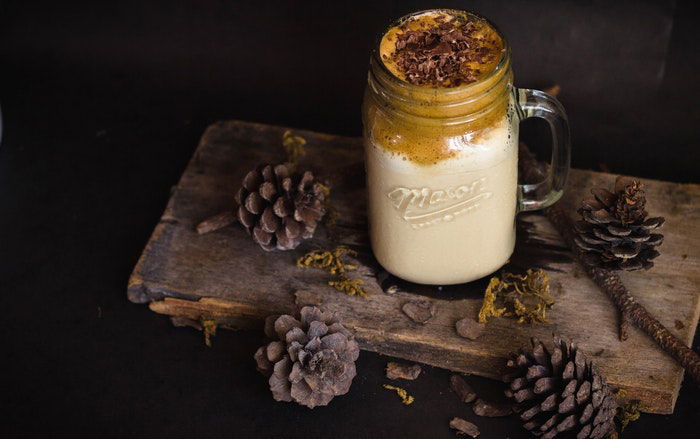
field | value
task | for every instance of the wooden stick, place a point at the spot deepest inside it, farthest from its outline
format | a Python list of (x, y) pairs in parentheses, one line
[(608, 281)]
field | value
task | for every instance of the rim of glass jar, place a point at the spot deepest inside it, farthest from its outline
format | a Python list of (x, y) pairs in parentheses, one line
[(503, 63)]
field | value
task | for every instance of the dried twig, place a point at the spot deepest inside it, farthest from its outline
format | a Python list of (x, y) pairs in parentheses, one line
[(608, 281)]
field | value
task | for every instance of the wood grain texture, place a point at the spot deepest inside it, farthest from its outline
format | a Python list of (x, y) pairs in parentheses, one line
[(225, 277)]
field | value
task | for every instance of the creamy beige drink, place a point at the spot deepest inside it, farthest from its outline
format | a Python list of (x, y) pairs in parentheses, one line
[(441, 150)]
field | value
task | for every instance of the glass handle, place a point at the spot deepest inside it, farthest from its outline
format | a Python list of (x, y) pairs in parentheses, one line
[(535, 103)]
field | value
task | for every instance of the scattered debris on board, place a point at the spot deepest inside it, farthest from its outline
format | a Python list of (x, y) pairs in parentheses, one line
[(420, 311), (469, 328)]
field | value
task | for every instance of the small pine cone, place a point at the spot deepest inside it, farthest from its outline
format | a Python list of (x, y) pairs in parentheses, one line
[(311, 360), (278, 208), (615, 232), (560, 392)]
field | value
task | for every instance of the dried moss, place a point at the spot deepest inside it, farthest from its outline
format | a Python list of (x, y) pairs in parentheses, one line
[(293, 146), (627, 410), (403, 394), (351, 287), (209, 330), (331, 212), (332, 262), (525, 297)]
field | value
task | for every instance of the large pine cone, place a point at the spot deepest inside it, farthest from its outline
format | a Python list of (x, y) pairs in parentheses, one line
[(560, 392), (278, 208), (311, 361), (615, 232)]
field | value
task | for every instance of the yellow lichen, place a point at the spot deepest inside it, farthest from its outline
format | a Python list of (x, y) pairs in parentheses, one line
[(293, 146), (627, 410), (403, 394), (351, 287), (331, 212), (488, 308), (523, 296), (209, 330), (332, 262)]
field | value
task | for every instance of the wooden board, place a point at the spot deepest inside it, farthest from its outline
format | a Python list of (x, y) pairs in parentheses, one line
[(224, 276)]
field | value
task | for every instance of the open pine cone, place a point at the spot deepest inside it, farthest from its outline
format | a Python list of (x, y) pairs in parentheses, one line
[(560, 391), (278, 208), (615, 232), (311, 361)]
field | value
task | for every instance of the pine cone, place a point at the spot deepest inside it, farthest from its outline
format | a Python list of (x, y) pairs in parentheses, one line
[(560, 392), (278, 208), (311, 361), (615, 232)]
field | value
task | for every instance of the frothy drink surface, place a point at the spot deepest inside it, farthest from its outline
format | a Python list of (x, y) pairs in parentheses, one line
[(442, 200)]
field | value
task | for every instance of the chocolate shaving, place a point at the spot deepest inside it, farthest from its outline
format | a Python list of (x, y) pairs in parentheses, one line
[(462, 389), (419, 311), (464, 427), (402, 371), (469, 328), (491, 410), (439, 55)]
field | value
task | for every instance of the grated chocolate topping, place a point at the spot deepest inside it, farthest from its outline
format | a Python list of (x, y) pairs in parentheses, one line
[(445, 54)]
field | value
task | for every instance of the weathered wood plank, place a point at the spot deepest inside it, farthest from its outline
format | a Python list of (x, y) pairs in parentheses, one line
[(224, 276)]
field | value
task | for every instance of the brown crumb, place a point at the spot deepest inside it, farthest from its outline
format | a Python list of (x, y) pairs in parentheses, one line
[(464, 427), (491, 410), (469, 328), (216, 222), (678, 324), (462, 389), (402, 371), (420, 311)]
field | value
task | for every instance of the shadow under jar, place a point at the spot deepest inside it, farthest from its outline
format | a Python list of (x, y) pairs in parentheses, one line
[(441, 161)]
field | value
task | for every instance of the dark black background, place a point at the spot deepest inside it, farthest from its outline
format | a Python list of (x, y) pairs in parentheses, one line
[(103, 103)]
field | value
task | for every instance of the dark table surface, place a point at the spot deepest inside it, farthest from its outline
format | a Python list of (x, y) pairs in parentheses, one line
[(103, 104)]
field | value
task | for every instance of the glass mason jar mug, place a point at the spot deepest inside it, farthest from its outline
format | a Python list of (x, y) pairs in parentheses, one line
[(442, 168)]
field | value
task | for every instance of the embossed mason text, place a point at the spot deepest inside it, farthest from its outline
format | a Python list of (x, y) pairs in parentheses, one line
[(423, 207)]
